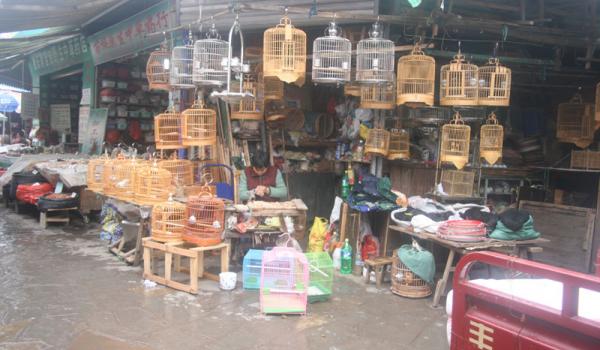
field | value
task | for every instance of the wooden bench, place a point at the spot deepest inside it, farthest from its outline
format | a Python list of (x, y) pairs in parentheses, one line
[(378, 265), (62, 216)]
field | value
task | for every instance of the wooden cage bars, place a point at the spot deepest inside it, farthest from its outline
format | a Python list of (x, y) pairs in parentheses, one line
[(491, 139), (168, 219), (455, 142), (415, 82), (284, 52), (494, 84), (167, 130), (458, 83), (377, 96), (205, 215), (378, 142), (199, 126)]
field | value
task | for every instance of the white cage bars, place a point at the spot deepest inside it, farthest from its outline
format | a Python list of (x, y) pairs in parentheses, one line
[(284, 52), (181, 71), (375, 58), (209, 56), (332, 57)]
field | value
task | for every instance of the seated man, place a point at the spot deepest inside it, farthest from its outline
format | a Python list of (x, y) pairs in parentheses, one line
[(261, 181)]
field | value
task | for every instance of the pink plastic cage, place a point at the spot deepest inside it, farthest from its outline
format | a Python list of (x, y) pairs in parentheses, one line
[(284, 282)]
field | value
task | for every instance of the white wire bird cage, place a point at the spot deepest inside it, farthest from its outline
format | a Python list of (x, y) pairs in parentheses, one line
[(181, 71), (209, 55), (458, 82), (157, 68), (415, 78), (332, 57), (375, 58), (494, 84)]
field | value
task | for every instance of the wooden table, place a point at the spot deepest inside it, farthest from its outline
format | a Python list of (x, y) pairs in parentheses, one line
[(515, 248)]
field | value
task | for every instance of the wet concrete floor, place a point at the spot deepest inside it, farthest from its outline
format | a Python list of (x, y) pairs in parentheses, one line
[(61, 289)]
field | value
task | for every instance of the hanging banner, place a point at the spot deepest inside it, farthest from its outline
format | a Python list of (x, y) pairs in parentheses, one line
[(132, 35), (93, 137), (59, 55)]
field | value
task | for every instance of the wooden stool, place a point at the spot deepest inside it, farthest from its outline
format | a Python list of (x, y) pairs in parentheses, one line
[(64, 217), (378, 265), (177, 250)]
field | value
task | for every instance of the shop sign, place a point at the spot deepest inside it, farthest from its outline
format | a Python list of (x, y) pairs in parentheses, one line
[(59, 55), (132, 34)]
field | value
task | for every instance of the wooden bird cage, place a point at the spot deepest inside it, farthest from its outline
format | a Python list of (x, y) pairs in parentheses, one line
[(182, 171), (95, 170), (157, 69), (585, 159), (352, 89), (249, 108), (399, 144), (415, 83), (182, 67), (375, 58), (575, 122), (378, 96), (491, 139), (199, 126), (284, 52), (119, 178), (378, 142), (168, 219), (332, 55), (597, 104), (209, 54), (204, 215), (167, 130), (458, 83), (494, 84), (455, 141), (152, 185), (458, 183), (406, 283)]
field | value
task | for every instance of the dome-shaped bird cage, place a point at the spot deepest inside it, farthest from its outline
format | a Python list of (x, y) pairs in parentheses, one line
[(204, 220), (119, 178), (182, 171), (375, 58), (199, 126), (152, 185), (168, 219), (181, 70), (491, 139), (157, 68), (378, 96), (167, 130), (378, 142), (406, 283), (284, 52), (455, 141), (399, 147), (415, 82), (249, 108), (494, 84), (575, 122), (209, 55), (332, 55), (458, 83)]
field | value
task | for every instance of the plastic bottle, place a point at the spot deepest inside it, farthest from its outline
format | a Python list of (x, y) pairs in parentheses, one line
[(345, 186), (346, 266), (350, 175), (337, 257)]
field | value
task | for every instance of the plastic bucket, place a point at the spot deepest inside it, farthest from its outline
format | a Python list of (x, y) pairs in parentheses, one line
[(227, 280)]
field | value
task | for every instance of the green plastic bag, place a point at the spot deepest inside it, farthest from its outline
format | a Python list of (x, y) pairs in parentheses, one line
[(318, 231)]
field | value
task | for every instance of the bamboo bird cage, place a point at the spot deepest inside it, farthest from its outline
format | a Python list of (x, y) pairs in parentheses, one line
[(378, 96), (249, 108), (458, 83), (199, 126), (494, 84), (182, 67), (399, 147), (167, 130), (491, 139), (458, 183), (95, 170), (284, 52), (352, 89), (585, 159), (378, 142), (575, 122), (205, 215), (208, 56), (182, 171), (168, 219), (455, 141), (152, 185), (415, 83), (332, 55), (119, 178), (375, 58), (406, 283), (157, 69)]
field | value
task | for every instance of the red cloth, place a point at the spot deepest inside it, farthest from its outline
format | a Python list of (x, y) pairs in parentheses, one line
[(268, 179), (29, 193)]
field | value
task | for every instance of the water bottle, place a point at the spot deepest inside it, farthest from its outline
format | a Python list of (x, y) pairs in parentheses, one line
[(346, 266)]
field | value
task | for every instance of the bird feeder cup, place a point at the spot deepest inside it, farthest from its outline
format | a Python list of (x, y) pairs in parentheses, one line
[(415, 83), (491, 139), (494, 84), (458, 83), (455, 141), (284, 53)]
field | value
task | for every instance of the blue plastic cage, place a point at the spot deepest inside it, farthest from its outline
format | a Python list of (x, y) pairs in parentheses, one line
[(251, 268)]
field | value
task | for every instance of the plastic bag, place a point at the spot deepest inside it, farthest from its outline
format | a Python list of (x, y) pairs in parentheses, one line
[(287, 241), (318, 231)]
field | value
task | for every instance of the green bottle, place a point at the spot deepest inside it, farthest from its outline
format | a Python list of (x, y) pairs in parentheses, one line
[(346, 268), (345, 186)]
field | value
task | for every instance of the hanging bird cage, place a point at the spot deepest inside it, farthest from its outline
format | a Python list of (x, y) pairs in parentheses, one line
[(399, 144), (378, 142), (575, 122), (284, 52), (119, 178), (378, 96), (181, 71), (458, 183), (494, 84), (455, 140), (167, 130), (416, 78), (458, 83), (209, 55), (332, 55), (204, 220), (199, 126), (152, 185), (182, 171), (405, 282), (168, 219), (375, 58), (491, 139), (157, 69), (249, 108)]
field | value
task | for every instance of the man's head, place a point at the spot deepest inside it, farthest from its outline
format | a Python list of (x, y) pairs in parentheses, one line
[(260, 162)]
